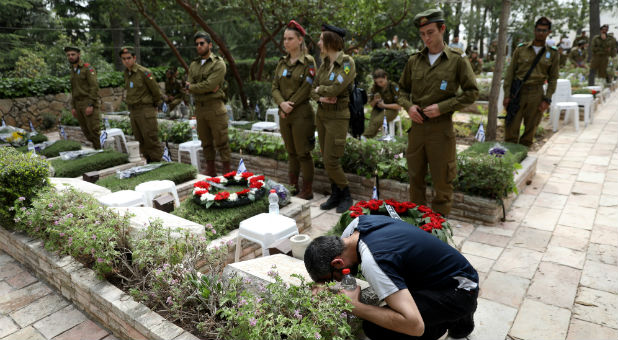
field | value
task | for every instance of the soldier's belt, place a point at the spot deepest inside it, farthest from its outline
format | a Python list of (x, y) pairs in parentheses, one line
[(340, 105)]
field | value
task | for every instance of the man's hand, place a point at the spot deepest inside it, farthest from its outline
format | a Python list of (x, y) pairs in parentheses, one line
[(506, 101), (415, 115), (353, 295), (432, 111), (328, 100), (89, 110), (381, 104), (287, 106), (74, 113), (543, 106)]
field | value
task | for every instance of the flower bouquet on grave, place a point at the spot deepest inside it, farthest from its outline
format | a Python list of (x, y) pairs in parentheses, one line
[(211, 191)]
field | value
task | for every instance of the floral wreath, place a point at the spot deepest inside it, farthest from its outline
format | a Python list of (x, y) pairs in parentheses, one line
[(206, 193), (417, 215)]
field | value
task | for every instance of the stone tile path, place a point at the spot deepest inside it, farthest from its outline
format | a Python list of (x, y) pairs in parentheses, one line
[(30, 309)]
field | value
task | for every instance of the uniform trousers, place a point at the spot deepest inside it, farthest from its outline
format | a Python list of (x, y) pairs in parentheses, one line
[(90, 124), (377, 120), (146, 131), (531, 97), (332, 133), (298, 133), (212, 129)]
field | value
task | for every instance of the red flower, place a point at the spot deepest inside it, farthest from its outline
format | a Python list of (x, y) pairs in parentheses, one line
[(257, 178), (362, 204), (223, 195), (409, 205), (424, 209), (256, 184), (214, 179), (354, 214), (243, 192), (247, 174), (230, 174), (201, 192), (400, 208), (201, 184)]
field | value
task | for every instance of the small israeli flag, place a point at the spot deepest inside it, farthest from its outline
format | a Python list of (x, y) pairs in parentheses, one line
[(257, 109), (480, 134), (31, 126), (103, 138), (384, 126), (374, 194), (63, 133), (166, 153), (164, 109), (241, 167), (3, 123)]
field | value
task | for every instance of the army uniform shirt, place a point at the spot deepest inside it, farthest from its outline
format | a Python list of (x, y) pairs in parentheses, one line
[(476, 66), (206, 75), (601, 47), (545, 70), (389, 93), (334, 82), (423, 84), (580, 39), (84, 85), (293, 82), (142, 88), (578, 56), (174, 88)]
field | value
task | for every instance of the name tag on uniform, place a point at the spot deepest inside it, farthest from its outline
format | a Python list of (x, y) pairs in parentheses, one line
[(547, 55), (443, 85), (284, 73), (340, 79), (131, 84), (79, 70), (332, 76), (309, 80)]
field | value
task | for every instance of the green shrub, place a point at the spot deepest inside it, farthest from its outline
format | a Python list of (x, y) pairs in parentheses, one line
[(176, 172), (519, 151), (175, 132), (21, 176), (485, 175), (79, 166), (222, 220), (258, 144), (67, 119), (49, 121), (123, 124), (55, 149), (391, 61), (38, 138)]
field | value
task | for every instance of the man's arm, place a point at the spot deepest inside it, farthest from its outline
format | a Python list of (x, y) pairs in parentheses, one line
[(402, 314), (467, 82), (510, 74), (552, 78), (405, 86), (212, 82)]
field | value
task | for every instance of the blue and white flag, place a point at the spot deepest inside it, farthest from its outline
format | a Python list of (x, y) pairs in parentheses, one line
[(3, 123), (385, 126), (257, 109), (63, 133), (480, 134), (241, 167), (374, 194), (103, 138), (31, 126), (166, 154), (164, 108)]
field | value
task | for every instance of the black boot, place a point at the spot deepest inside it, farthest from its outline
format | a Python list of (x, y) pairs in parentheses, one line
[(345, 202), (334, 198)]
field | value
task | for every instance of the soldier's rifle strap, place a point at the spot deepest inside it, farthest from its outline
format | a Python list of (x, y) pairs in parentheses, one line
[(536, 61)]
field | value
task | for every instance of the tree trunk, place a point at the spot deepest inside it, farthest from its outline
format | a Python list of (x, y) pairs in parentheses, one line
[(136, 40), (222, 47), (117, 38), (142, 10), (492, 116), (394, 22), (458, 18), (481, 42), (595, 29)]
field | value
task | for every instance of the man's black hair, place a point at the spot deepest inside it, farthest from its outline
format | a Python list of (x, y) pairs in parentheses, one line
[(543, 21), (320, 252)]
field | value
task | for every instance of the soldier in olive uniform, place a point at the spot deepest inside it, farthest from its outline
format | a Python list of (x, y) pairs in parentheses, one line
[(429, 88), (601, 48), (331, 91), (383, 99), (534, 101), (578, 55), (582, 38), (84, 96), (291, 89), (174, 90), (205, 82), (143, 98), (476, 62)]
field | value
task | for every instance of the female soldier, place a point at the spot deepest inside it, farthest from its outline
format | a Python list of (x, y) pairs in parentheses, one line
[(291, 89), (383, 97), (334, 76)]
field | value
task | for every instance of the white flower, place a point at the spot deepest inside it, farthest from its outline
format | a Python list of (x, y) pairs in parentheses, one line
[(233, 197), (223, 179), (207, 197), (237, 178)]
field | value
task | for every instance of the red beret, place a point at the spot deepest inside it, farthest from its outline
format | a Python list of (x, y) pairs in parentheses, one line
[(294, 25)]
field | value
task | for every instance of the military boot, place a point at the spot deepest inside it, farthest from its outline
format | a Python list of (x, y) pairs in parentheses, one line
[(226, 167), (345, 202), (294, 183), (210, 169), (307, 192), (334, 198)]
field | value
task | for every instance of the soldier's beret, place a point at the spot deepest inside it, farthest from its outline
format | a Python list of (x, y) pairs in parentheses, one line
[(296, 26), (204, 35), (71, 48), (339, 31), (127, 49), (606, 26), (427, 17)]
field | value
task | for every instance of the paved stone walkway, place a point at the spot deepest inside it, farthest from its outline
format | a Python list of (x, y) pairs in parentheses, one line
[(31, 310)]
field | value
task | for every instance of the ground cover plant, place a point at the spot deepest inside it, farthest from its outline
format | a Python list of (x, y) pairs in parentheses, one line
[(176, 172), (79, 166), (55, 149)]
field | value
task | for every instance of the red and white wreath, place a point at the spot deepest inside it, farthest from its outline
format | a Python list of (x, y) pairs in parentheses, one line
[(207, 194)]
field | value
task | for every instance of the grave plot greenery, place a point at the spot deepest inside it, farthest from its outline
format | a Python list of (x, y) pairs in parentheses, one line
[(219, 222), (161, 272), (79, 166), (21, 175), (176, 172), (55, 149)]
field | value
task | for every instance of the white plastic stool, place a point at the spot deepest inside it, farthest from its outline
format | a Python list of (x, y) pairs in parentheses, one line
[(192, 147), (597, 89), (123, 198), (265, 229), (391, 126), (586, 101), (274, 113), (115, 132), (153, 189), (570, 108)]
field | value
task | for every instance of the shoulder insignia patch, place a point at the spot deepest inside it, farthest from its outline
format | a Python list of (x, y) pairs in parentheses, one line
[(346, 67), (554, 48), (521, 44), (312, 71)]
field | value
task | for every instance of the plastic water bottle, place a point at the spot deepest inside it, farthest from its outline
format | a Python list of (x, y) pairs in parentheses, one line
[(31, 146), (107, 126), (273, 199), (193, 124), (348, 282)]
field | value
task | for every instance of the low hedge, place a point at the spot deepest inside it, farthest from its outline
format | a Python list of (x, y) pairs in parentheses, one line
[(79, 166), (517, 150), (21, 176), (176, 172), (222, 220), (55, 149)]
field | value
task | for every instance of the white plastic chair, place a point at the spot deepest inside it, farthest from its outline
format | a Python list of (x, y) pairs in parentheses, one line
[(192, 147), (115, 132), (272, 113), (264, 229), (571, 109), (391, 126), (585, 101), (123, 198), (153, 189)]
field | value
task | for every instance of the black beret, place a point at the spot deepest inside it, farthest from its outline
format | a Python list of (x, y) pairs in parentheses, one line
[(339, 31), (71, 48)]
